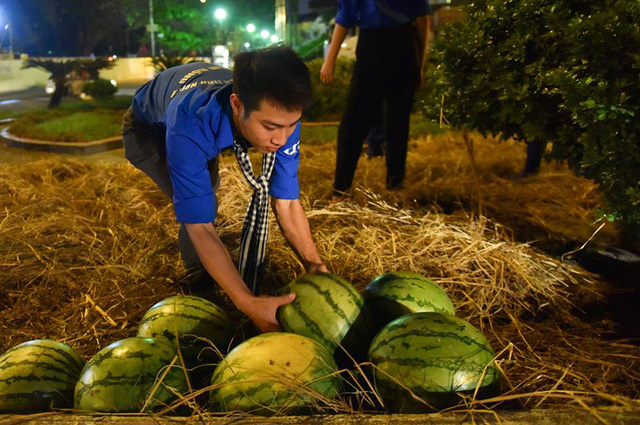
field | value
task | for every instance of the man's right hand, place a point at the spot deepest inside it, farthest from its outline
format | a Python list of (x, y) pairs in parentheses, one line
[(326, 72), (262, 310)]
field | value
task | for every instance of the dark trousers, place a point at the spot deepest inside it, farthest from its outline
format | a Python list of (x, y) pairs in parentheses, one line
[(144, 147), (535, 151), (385, 75)]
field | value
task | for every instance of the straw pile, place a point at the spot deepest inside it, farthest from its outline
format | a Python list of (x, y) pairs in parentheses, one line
[(85, 250)]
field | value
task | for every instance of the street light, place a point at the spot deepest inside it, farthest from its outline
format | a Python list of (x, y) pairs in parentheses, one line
[(264, 34), (220, 14), (274, 38), (9, 27), (251, 28)]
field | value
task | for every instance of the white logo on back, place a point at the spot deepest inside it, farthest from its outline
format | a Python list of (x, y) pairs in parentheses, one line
[(293, 149)]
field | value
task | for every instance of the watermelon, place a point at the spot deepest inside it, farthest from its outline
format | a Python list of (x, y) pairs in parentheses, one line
[(275, 373), (38, 375), (203, 329), (395, 294), (325, 308), (122, 376), (435, 356)]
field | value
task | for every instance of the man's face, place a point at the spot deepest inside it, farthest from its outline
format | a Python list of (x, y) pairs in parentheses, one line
[(266, 128)]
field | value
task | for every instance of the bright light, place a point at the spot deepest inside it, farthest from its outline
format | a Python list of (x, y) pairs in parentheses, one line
[(251, 28), (343, 45), (247, 45), (220, 49), (113, 83), (264, 34), (203, 1), (220, 14), (274, 38)]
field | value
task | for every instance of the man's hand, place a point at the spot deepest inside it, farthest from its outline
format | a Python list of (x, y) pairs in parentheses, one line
[(326, 72), (313, 268), (262, 310)]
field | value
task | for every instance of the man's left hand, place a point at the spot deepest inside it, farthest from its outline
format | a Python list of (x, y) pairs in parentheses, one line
[(314, 268)]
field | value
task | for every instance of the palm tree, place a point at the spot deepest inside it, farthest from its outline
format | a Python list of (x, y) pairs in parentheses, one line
[(59, 71), (165, 62), (93, 66)]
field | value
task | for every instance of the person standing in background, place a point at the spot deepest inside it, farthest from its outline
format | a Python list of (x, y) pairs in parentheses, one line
[(390, 59)]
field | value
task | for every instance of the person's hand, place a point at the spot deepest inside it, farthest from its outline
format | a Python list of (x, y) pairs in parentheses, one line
[(262, 310), (314, 268), (326, 72)]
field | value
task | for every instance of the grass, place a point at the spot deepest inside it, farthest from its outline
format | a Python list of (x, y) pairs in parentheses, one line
[(68, 126), (74, 121), (81, 125)]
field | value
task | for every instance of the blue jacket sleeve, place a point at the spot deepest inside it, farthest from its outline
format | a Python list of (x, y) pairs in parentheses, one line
[(284, 179), (187, 158), (420, 8), (346, 15)]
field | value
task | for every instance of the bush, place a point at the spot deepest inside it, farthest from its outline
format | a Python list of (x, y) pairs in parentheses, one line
[(99, 88), (563, 71), (330, 99)]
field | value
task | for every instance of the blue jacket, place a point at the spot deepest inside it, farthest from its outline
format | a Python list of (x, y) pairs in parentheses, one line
[(191, 102)]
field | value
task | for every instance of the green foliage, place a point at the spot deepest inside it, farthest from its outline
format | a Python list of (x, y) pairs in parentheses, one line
[(59, 69), (312, 49), (99, 88), (330, 99), (550, 70), (93, 66), (165, 62), (599, 85)]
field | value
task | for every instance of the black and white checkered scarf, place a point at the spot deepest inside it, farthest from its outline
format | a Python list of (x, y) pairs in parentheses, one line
[(255, 231)]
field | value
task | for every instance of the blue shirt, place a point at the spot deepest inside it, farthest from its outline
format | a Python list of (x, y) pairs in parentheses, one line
[(192, 103), (373, 14)]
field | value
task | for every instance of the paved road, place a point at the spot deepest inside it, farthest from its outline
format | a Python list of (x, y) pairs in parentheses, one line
[(36, 97)]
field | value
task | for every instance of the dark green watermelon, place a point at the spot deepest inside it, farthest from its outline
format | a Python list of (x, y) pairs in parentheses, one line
[(38, 375), (325, 308), (395, 294), (121, 378), (203, 330), (434, 355)]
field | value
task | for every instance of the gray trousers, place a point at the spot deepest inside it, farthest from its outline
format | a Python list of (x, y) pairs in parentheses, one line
[(144, 147)]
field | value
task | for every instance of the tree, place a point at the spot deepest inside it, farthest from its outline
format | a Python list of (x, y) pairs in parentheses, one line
[(188, 25), (59, 70), (66, 28), (564, 71)]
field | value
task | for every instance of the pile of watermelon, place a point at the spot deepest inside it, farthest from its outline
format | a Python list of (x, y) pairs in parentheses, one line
[(422, 357)]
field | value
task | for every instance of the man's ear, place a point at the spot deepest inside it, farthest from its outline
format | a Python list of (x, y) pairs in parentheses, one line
[(236, 105)]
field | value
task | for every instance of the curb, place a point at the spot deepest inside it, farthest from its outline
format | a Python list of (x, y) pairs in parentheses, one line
[(78, 148)]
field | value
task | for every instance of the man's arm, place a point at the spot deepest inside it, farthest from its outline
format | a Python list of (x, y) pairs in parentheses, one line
[(294, 225), (326, 73), (217, 261), (423, 24)]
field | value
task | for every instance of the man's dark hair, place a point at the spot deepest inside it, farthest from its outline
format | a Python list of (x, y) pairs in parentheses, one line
[(276, 74)]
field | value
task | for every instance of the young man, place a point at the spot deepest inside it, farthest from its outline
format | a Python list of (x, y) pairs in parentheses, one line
[(390, 60), (177, 125)]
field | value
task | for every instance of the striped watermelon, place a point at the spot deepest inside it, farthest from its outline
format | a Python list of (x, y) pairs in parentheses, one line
[(37, 375), (122, 376), (275, 373), (435, 355), (395, 294), (203, 328), (325, 308)]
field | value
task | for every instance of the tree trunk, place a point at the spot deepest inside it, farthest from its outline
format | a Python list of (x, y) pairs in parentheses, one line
[(58, 94)]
